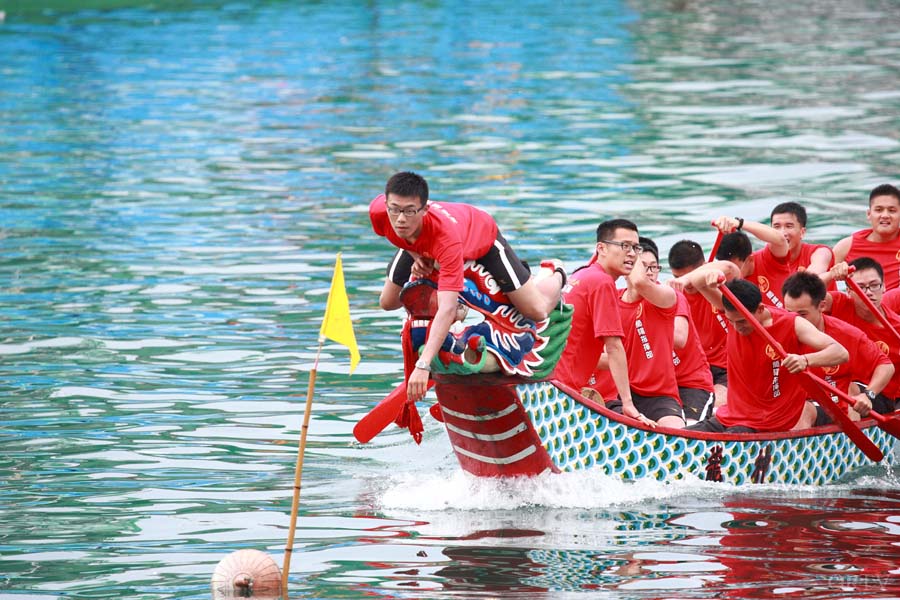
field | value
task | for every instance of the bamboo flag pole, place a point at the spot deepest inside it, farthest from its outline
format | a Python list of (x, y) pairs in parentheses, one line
[(336, 326), (298, 472)]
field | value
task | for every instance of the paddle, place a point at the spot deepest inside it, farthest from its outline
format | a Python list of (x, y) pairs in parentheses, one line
[(715, 248), (870, 305), (821, 387), (383, 414)]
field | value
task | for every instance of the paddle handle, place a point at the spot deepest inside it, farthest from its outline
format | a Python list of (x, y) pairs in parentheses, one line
[(871, 306), (837, 414), (716, 244)]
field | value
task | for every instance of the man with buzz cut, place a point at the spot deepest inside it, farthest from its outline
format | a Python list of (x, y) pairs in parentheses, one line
[(789, 219), (442, 236), (849, 307), (881, 241), (804, 294)]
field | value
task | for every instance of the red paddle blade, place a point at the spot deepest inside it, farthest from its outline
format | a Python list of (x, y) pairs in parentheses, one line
[(384, 413), (820, 390), (892, 426)]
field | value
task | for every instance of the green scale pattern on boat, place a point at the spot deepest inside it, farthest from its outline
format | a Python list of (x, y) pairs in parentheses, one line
[(577, 438)]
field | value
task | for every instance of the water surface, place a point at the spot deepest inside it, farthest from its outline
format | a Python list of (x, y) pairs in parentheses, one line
[(176, 179)]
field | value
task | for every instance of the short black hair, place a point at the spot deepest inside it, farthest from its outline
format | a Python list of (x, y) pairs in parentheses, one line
[(792, 208), (686, 253), (864, 262), (649, 246), (803, 282), (608, 228), (734, 245), (747, 293), (885, 189), (408, 185)]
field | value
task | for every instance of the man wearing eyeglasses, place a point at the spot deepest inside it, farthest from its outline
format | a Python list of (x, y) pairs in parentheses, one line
[(441, 236), (848, 307), (596, 324)]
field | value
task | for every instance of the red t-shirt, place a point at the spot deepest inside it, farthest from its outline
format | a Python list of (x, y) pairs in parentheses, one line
[(803, 260), (891, 300), (691, 367), (769, 273), (712, 327), (592, 292), (886, 253), (864, 355), (649, 342), (761, 394), (451, 234), (843, 308)]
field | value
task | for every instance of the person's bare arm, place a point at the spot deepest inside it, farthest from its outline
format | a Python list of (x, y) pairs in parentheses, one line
[(842, 249), (682, 329), (657, 295), (828, 352), (777, 244), (437, 333), (820, 261)]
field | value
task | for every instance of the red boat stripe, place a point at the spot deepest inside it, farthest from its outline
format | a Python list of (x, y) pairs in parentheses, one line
[(487, 417), (497, 461), (488, 437)]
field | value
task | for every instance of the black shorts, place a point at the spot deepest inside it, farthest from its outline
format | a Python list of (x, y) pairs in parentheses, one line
[(509, 271), (713, 425), (652, 407), (697, 403), (719, 374)]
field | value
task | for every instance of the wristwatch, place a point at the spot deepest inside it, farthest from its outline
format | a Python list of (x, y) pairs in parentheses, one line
[(871, 395), (421, 364)]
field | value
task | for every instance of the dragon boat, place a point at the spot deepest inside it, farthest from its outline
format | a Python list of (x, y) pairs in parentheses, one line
[(506, 417)]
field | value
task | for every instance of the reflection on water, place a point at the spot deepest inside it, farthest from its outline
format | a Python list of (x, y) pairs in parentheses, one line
[(176, 179)]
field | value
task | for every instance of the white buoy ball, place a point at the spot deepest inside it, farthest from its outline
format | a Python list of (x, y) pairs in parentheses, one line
[(247, 574)]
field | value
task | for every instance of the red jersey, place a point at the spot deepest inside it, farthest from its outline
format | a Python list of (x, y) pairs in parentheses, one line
[(891, 300), (712, 327), (761, 394), (843, 308), (691, 367), (804, 258), (649, 342), (864, 355), (592, 292), (451, 234), (886, 253), (769, 273)]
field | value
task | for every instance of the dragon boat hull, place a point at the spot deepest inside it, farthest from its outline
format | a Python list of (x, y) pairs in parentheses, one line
[(504, 427)]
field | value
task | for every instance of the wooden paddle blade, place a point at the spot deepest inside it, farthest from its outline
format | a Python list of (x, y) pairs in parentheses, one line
[(383, 414), (821, 390)]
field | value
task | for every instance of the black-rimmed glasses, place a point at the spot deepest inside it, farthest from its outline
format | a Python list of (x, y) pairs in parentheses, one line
[(626, 246), (874, 287), (409, 211)]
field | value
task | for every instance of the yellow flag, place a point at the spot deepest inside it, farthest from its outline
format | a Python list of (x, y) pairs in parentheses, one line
[(336, 325)]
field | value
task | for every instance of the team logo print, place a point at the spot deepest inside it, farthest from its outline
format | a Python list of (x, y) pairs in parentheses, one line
[(763, 284), (640, 311), (897, 256), (832, 370), (883, 347), (770, 352)]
